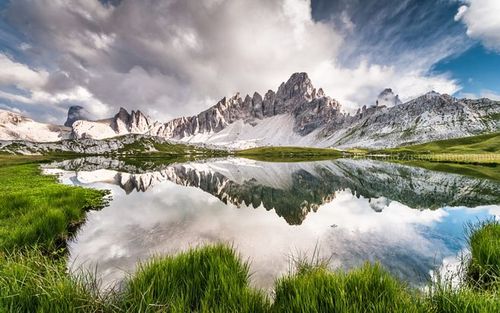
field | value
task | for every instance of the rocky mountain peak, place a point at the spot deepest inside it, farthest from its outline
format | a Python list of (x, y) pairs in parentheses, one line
[(387, 98), (134, 122), (434, 97), (122, 115), (298, 86), (76, 113), (432, 93)]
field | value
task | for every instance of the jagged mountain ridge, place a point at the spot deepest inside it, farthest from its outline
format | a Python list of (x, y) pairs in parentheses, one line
[(122, 123), (297, 97), (298, 114)]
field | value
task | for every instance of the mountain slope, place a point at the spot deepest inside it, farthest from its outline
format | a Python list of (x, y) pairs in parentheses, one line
[(14, 126), (487, 143), (122, 123), (428, 118)]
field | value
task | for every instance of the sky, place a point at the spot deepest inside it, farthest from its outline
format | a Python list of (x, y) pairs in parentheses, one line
[(171, 58)]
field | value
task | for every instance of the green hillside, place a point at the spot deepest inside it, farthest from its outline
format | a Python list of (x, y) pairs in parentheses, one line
[(489, 143)]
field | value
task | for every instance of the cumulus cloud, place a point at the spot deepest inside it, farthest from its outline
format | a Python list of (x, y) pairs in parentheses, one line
[(482, 20), (173, 58), (20, 75)]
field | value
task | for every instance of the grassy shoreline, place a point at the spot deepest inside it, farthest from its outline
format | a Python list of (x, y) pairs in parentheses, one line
[(36, 213), (480, 149), (289, 154)]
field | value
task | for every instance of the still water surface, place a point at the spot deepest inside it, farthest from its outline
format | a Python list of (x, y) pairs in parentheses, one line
[(409, 219)]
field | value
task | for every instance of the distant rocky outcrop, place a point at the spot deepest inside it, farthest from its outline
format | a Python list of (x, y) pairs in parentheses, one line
[(387, 98), (430, 117), (122, 123), (76, 113)]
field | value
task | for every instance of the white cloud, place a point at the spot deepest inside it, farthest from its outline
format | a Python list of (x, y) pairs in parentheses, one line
[(482, 18), (484, 93), (20, 75), (31, 89), (359, 86), (490, 94), (171, 58)]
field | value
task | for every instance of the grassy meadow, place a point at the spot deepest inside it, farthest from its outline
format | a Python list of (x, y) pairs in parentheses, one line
[(289, 154), (37, 215), (481, 149), (35, 209)]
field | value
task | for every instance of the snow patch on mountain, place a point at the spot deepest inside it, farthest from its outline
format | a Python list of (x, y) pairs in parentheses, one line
[(123, 123), (271, 131), (14, 126)]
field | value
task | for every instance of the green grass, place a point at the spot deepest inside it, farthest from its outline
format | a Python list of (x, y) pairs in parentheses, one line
[(151, 147), (289, 154), (210, 279), (214, 279), (445, 299), (366, 289), (479, 150), (36, 213), (33, 281), (35, 208), (484, 266), (488, 143)]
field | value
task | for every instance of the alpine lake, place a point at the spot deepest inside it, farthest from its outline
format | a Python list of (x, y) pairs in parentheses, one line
[(343, 211)]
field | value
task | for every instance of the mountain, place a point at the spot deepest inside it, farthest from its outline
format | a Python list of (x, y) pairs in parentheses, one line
[(76, 113), (14, 126), (427, 118), (122, 123), (387, 98), (298, 114)]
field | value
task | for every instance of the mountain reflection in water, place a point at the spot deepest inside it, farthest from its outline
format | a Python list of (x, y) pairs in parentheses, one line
[(407, 218)]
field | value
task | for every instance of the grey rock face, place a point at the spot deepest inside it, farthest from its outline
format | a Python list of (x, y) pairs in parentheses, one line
[(297, 96), (135, 122), (427, 118), (387, 98), (76, 113)]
